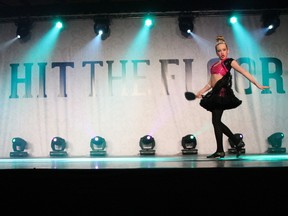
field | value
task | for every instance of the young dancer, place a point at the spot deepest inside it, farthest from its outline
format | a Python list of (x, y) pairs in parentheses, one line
[(221, 96)]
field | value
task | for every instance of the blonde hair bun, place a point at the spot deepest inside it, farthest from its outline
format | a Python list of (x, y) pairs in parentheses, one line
[(220, 39)]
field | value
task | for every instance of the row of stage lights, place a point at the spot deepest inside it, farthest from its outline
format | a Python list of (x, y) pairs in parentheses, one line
[(147, 144), (101, 27), (270, 21)]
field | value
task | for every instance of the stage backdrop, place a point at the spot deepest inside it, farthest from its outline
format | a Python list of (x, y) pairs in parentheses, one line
[(71, 84)]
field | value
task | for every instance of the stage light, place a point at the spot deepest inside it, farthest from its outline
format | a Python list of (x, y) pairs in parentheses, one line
[(186, 25), (59, 24), (102, 27), (58, 146), (270, 21), (147, 144), (149, 21), (189, 143), (18, 145), (275, 140), (23, 31), (233, 20), (98, 146), (233, 149)]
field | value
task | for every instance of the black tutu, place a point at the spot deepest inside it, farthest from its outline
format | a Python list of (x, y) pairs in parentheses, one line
[(212, 101), (221, 96)]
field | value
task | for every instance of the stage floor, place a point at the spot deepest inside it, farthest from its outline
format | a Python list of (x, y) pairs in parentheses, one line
[(138, 162), (162, 185)]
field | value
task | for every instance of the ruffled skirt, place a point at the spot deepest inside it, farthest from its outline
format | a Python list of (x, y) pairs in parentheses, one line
[(224, 99)]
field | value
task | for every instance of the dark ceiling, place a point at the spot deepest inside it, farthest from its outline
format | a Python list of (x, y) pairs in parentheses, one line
[(10, 9)]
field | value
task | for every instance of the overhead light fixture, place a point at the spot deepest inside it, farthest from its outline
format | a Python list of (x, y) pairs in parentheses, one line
[(18, 145), (233, 19), (102, 27), (149, 21), (186, 25), (270, 21), (98, 146), (233, 149), (59, 24), (147, 144), (275, 140), (23, 31), (58, 146), (189, 143)]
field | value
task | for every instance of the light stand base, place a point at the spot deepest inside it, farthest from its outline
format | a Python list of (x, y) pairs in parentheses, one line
[(98, 153), (58, 154), (276, 150), (147, 152), (189, 151), (18, 154), (234, 151)]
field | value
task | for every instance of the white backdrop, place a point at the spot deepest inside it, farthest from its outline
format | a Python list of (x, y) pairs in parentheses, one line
[(122, 104)]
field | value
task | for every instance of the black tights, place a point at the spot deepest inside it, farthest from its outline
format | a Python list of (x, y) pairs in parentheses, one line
[(220, 128)]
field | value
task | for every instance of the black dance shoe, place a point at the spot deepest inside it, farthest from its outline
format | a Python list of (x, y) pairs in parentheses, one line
[(216, 155), (239, 147)]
